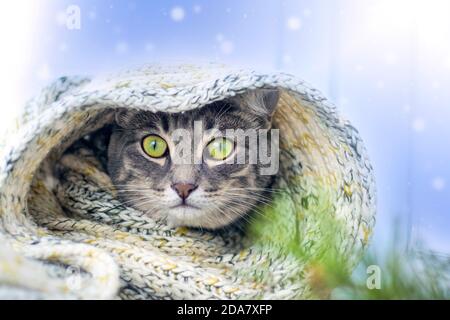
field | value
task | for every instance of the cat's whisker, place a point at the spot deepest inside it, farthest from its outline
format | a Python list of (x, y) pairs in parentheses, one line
[(258, 199), (250, 194), (227, 205), (256, 204), (248, 217), (221, 211), (245, 216), (124, 203), (259, 189), (245, 191), (137, 190), (127, 186), (247, 207), (134, 187), (237, 213), (254, 195), (281, 191), (149, 201)]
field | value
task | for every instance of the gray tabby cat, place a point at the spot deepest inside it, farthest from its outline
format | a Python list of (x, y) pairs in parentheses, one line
[(210, 194)]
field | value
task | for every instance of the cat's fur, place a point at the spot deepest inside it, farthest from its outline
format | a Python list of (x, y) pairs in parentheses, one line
[(223, 194)]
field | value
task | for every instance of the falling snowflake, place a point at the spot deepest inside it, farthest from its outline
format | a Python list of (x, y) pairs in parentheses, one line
[(43, 73), (359, 68), (294, 23), (380, 84), (447, 63), (438, 183), (61, 18), (92, 15), (227, 47), (418, 125), (307, 12), (121, 47), (436, 84), (287, 59), (63, 47), (197, 8), (149, 47), (219, 37), (391, 58), (177, 14)]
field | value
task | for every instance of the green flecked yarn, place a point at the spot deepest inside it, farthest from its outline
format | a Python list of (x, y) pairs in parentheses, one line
[(54, 227), (311, 243)]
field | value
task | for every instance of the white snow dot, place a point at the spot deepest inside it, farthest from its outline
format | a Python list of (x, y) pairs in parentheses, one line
[(294, 23), (219, 37), (438, 183), (92, 15), (343, 101), (63, 47), (406, 108), (177, 14), (43, 73), (61, 18), (447, 63), (227, 47), (391, 58), (149, 47), (121, 47), (380, 84), (418, 125), (197, 8), (435, 84), (287, 59)]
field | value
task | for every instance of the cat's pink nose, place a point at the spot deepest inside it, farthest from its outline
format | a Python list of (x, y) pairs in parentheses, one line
[(184, 189)]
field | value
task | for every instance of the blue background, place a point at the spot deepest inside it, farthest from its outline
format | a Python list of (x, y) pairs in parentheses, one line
[(386, 64)]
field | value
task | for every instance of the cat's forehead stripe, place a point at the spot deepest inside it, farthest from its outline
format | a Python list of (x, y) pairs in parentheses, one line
[(164, 122)]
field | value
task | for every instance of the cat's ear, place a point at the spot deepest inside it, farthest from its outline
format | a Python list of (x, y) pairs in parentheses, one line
[(124, 117), (262, 102), (270, 98)]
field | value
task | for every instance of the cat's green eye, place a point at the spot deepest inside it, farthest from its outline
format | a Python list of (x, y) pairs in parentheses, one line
[(154, 146), (220, 148)]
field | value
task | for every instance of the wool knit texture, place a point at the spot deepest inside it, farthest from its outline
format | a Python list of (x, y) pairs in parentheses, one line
[(67, 236)]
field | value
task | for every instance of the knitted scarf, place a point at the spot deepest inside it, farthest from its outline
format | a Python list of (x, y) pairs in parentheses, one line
[(68, 236)]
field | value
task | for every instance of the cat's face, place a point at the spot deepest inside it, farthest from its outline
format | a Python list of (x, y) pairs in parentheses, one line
[(212, 189)]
